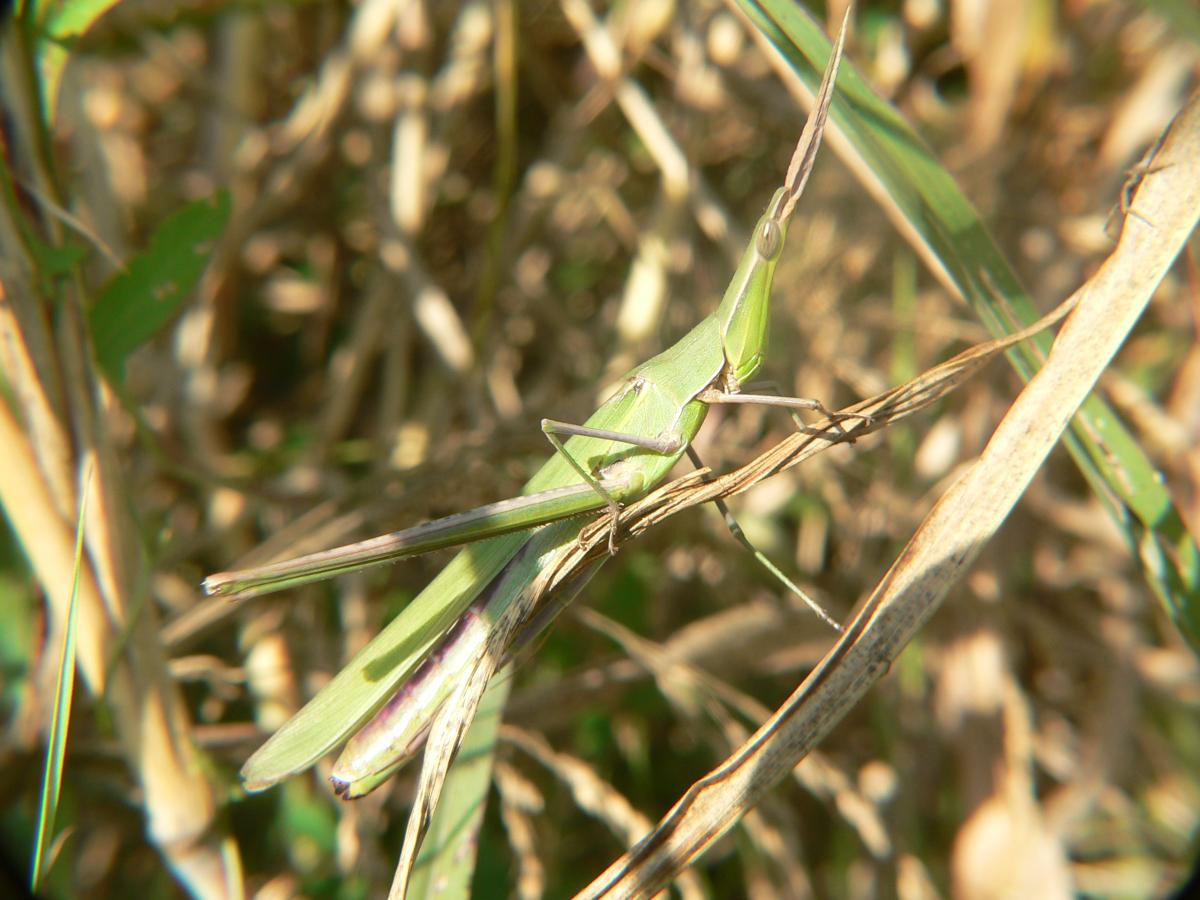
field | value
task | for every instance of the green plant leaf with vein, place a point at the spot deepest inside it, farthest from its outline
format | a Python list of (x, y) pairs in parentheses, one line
[(140, 301)]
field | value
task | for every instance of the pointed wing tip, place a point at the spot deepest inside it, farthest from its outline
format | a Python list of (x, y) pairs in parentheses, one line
[(254, 785), (259, 774)]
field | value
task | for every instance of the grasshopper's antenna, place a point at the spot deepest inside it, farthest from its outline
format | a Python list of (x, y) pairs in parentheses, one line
[(810, 137)]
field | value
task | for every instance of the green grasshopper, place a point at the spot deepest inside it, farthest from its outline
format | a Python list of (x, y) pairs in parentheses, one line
[(627, 447)]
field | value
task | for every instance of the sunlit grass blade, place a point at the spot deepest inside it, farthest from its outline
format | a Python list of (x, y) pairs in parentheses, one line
[(943, 226), (56, 29), (56, 746)]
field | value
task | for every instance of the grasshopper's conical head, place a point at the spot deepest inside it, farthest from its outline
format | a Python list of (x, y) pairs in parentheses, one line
[(745, 309)]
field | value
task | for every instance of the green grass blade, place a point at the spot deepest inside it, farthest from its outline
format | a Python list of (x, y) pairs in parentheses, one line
[(58, 27), (948, 232), (56, 746)]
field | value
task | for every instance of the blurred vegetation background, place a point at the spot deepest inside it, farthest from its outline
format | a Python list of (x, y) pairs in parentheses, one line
[(370, 245)]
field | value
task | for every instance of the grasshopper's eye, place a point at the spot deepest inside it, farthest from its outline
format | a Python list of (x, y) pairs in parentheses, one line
[(769, 239)]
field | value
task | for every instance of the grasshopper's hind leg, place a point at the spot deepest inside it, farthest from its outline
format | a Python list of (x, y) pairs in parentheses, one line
[(740, 536)]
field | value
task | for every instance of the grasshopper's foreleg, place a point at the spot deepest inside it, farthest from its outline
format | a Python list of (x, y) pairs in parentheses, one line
[(555, 431), (740, 536)]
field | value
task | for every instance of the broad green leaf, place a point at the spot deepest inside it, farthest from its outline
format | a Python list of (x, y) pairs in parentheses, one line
[(143, 299)]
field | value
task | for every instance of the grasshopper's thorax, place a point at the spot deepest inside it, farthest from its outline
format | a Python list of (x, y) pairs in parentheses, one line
[(745, 309)]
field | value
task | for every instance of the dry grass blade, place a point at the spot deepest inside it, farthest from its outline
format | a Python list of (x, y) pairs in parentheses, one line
[(593, 795), (519, 803), (445, 737), (1163, 215)]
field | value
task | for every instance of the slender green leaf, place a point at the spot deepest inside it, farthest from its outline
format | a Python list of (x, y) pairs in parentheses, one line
[(56, 261), (56, 747), (58, 25)]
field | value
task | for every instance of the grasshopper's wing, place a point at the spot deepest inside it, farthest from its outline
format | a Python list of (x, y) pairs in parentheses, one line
[(366, 682)]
